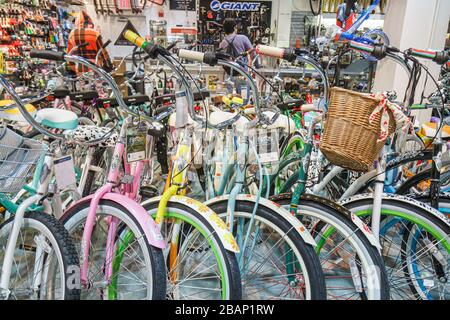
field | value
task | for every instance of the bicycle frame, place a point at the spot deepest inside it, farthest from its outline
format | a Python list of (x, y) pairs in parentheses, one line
[(39, 189), (363, 17), (110, 192)]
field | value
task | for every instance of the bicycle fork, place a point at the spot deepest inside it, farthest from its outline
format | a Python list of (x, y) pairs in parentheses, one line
[(378, 194), (11, 246)]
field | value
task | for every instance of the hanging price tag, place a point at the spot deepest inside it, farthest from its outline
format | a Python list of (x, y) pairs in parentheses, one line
[(136, 144), (64, 172), (267, 147)]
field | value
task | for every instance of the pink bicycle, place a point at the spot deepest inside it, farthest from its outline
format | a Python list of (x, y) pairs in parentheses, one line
[(105, 219)]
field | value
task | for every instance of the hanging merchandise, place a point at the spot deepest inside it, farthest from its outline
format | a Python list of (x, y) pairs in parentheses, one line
[(253, 19), (32, 24), (185, 5), (158, 32)]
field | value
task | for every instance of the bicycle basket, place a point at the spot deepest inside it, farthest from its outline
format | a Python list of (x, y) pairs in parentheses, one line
[(349, 140), (18, 156)]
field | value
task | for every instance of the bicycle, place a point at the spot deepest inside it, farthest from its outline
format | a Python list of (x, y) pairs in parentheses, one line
[(185, 224), (38, 257)]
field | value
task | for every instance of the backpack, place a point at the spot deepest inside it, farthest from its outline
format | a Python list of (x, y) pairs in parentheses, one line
[(232, 52)]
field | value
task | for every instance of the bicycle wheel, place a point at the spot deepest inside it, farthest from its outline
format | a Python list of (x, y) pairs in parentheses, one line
[(141, 273), (352, 266), (45, 264), (316, 6), (199, 265), (408, 262), (420, 183), (276, 262)]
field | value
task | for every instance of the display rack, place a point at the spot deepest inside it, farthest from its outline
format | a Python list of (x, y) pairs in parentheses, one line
[(28, 24)]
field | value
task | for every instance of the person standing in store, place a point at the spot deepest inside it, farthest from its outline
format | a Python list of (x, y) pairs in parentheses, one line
[(235, 45), (86, 42)]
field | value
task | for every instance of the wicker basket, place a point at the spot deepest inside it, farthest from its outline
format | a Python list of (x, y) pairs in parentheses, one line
[(349, 140)]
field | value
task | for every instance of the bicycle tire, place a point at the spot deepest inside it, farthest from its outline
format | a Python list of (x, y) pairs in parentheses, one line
[(315, 278), (227, 262), (61, 243), (318, 10), (154, 258), (414, 214), (341, 219)]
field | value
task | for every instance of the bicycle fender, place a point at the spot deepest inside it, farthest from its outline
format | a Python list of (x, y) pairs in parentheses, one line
[(365, 229), (219, 226), (400, 199), (283, 213), (151, 230)]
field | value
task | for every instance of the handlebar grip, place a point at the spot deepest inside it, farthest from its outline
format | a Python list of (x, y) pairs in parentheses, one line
[(134, 38), (206, 57), (308, 107), (440, 57), (275, 52), (378, 51), (191, 55), (47, 55), (361, 46)]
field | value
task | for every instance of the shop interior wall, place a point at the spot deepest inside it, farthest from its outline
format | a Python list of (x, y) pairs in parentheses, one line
[(112, 26)]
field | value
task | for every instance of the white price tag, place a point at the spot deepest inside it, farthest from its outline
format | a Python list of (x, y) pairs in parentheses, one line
[(268, 157), (64, 172), (244, 93), (217, 174)]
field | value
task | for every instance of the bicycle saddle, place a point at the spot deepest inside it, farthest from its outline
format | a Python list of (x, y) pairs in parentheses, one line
[(428, 129), (129, 101), (61, 92), (91, 133), (289, 105), (163, 109), (199, 96), (130, 74), (217, 117), (13, 113), (166, 98), (57, 118), (83, 95), (282, 122), (155, 129)]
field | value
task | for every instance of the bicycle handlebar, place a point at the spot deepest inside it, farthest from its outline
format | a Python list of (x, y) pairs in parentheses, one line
[(440, 57), (285, 54), (291, 55), (157, 52), (212, 59), (60, 56), (47, 55)]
